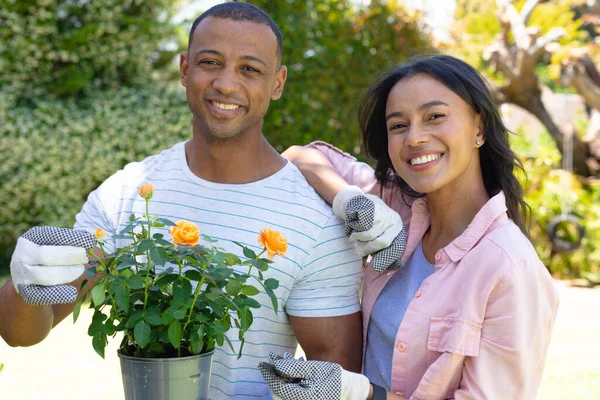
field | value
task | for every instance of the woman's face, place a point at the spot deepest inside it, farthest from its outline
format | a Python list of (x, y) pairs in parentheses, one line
[(432, 135)]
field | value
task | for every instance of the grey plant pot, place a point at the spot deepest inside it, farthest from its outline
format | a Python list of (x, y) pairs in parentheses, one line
[(185, 378)]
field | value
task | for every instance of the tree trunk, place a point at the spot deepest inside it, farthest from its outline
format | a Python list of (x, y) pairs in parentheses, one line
[(533, 103)]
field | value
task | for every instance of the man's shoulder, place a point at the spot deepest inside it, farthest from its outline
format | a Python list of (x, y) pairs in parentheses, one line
[(295, 184)]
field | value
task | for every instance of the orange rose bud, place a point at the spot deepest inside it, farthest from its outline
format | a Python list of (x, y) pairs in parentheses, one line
[(99, 233), (273, 241), (185, 233), (146, 191)]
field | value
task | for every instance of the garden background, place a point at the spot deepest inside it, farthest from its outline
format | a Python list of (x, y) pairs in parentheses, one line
[(88, 86)]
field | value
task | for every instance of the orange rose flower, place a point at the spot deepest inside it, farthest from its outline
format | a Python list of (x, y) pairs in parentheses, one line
[(185, 233), (100, 233), (273, 241), (147, 191)]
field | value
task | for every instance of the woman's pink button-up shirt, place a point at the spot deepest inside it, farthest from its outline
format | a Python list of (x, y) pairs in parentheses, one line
[(478, 327)]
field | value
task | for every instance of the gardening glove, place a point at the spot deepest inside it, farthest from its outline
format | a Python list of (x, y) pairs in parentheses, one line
[(45, 259), (372, 227), (292, 379)]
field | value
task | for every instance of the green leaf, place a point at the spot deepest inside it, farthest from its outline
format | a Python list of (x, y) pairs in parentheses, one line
[(233, 287), (158, 255), (126, 262), (182, 289), (98, 295), (145, 244), (76, 310), (122, 298), (250, 290), (141, 333), (249, 253), (99, 343), (180, 313), (273, 299), (166, 222), (271, 283), (228, 341), (135, 317), (261, 264), (127, 229), (135, 282), (246, 318), (175, 333), (132, 217), (193, 275), (251, 303), (152, 317)]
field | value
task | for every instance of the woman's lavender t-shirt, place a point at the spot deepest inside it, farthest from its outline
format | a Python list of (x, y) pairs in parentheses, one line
[(387, 315)]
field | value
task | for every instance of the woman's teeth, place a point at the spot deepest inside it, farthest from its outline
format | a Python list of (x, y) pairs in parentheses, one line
[(424, 159)]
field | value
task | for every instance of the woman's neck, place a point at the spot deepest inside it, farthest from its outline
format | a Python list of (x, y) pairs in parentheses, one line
[(452, 209)]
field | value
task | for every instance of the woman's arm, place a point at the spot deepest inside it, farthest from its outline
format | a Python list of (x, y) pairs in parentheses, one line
[(329, 170), (514, 338), (318, 171)]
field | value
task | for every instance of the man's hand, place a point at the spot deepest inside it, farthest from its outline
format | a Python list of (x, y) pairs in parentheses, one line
[(372, 226), (46, 259), (292, 379)]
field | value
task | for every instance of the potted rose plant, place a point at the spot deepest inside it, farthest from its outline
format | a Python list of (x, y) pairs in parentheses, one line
[(173, 300)]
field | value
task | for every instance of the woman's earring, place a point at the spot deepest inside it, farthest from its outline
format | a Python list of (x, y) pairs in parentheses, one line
[(478, 142)]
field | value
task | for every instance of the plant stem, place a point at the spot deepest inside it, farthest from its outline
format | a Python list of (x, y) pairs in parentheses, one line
[(197, 292), (147, 280)]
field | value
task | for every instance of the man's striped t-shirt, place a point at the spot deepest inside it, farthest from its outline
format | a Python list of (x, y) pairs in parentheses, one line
[(319, 275)]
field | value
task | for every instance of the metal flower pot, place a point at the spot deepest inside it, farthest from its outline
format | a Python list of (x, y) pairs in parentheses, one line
[(184, 378)]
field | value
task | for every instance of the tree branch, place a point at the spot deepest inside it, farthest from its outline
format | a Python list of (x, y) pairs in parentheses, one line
[(540, 44), (517, 25), (528, 10)]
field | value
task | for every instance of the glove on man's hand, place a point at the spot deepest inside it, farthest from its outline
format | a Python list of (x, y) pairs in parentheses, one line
[(45, 259), (372, 226), (292, 379)]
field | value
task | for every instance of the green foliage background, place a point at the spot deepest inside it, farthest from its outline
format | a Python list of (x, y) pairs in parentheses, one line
[(84, 91), (79, 96)]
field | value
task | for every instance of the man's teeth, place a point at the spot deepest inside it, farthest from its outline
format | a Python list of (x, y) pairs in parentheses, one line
[(424, 159), (225, 106)]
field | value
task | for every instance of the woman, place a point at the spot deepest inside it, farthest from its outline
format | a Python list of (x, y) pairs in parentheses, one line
[(470, 312)]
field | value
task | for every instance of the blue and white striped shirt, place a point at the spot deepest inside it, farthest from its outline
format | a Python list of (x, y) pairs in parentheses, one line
[(319, 275)]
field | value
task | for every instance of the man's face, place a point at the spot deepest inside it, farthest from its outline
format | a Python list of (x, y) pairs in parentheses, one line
[(231, 72)]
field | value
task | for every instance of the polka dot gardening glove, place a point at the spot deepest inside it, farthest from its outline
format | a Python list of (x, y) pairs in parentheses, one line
[(372, 227), (46, 259), (297, 379)]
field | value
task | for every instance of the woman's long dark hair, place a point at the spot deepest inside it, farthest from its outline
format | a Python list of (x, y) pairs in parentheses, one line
[(498, 162)]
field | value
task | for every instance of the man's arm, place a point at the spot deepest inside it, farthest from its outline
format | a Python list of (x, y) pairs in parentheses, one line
[(334, 339), (22, 324)]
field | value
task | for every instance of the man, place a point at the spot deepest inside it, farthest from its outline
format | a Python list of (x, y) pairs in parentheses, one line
[(230, 181)]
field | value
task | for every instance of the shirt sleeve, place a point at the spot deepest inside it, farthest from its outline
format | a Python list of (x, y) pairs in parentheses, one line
[(329, 281), (514, 338), (353, 171), (98, 210)]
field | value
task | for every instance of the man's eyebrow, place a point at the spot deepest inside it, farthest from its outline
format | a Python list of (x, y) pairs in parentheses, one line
[(217, 53), (208, 51), (253, 58), (421, 108)]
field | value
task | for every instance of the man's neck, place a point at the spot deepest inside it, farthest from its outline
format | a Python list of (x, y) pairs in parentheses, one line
[(236, 161)]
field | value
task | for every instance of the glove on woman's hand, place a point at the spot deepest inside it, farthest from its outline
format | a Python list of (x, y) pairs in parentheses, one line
[(372, 227)]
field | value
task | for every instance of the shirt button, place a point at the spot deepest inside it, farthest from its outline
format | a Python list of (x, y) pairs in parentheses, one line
[(418, 294), (401, 346), (438, 256)]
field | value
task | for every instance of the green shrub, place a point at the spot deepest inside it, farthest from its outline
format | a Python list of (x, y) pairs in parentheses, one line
[(548, 187), (55, 153), (62, 47)]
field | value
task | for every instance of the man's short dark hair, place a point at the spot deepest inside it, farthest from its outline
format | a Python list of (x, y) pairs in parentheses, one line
[(240, 12)]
